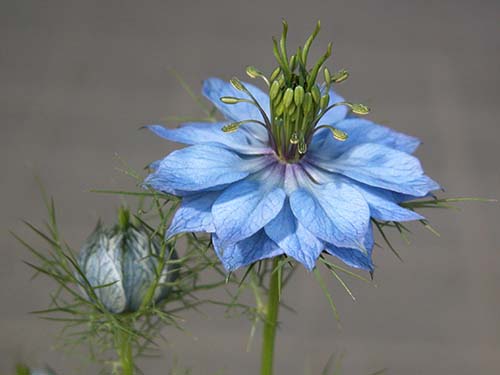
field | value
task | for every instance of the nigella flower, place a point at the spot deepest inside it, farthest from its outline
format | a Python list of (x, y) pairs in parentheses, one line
[(295, 172)]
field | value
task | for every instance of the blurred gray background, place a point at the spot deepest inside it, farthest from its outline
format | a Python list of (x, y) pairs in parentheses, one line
[(78, 78)]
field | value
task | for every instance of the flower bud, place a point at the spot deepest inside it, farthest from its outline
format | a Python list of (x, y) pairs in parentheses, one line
[(121, 265)]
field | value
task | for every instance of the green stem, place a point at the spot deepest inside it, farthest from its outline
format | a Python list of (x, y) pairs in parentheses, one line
[(125, 352), (271, 322)]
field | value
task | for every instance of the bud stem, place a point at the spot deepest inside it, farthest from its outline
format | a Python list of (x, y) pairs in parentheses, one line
[(124, 350)]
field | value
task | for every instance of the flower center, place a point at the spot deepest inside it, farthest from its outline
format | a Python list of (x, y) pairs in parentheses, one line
[(297, 101)]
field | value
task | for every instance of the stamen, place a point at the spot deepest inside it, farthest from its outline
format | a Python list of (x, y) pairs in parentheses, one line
[(338, 134), (340, 76), (233, 100), (234, 126), (297, 101), (253, 72)]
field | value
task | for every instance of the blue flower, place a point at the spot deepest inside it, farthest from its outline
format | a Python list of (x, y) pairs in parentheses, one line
[(292, 173)]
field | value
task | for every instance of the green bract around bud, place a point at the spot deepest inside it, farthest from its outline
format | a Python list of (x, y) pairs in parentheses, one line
[(298, 96), (288, 97), (121, 265)]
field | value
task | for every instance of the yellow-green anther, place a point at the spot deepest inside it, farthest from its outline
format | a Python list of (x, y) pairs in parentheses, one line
[(327, 76), (235, 82), (298, 96), (253, 72), (338, 134), (340, 76), (291, 108), (231, 100), (275, 74), (308, 103), (280, 108), (323, 103), (316, 94), (302, 148), (359, 109), (288, 97), (275, 88), (231, 128), (294, 139)]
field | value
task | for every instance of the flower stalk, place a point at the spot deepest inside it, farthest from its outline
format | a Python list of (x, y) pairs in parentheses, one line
[(271, 322), (124, 350)]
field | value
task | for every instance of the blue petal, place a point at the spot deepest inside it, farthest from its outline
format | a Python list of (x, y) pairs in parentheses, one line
[(194, 214), (295, 240), (354, 257), (215, 88), (244, 208), (384, 204), (245, 252), (336, 114), (199, 167), (383, 167), (334, 212), (360, 131), (197, 133)]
